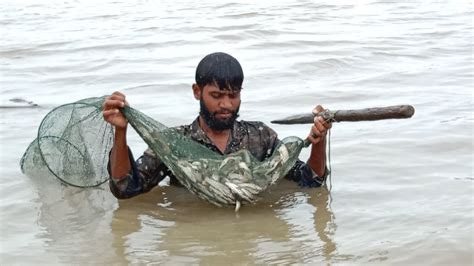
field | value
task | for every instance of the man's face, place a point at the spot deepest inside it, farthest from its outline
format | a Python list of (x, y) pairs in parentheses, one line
[(219, 108)]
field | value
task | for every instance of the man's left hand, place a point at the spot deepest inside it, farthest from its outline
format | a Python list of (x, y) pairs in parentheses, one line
[(320, 127)]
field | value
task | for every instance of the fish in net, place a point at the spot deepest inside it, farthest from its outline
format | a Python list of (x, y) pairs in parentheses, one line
[(74, 141)]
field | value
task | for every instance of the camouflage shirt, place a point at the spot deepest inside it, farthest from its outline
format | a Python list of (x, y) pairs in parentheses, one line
[(256, 137)]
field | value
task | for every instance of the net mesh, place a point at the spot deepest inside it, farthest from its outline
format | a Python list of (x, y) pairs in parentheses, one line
[(72, 144), (74, 141)]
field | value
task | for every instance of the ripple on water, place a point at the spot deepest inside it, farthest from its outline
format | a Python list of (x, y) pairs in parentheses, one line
[(402, 189)]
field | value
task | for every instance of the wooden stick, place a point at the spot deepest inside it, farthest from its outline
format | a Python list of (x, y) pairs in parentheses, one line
[(368, 114)]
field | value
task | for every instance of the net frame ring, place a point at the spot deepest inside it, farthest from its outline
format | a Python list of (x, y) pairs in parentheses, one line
[(100, 180)]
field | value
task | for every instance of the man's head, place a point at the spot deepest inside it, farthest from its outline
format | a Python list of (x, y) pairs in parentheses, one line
[(221, 70), (219, 79)]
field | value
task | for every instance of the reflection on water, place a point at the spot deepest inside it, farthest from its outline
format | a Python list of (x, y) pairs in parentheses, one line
[(176, 227), (170, 225), (70, 219)]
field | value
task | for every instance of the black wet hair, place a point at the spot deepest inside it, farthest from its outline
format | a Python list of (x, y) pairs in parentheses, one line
[(220, 69)]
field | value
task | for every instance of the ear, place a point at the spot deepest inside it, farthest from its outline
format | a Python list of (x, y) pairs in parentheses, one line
[(197, 91)]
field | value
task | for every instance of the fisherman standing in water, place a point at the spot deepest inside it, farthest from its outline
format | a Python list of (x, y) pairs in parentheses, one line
[(219, 79)]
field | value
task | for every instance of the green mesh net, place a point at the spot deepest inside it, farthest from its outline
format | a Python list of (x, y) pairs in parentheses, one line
[(74, 141)]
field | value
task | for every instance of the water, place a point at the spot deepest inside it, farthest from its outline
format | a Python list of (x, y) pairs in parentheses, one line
[(402, 190)]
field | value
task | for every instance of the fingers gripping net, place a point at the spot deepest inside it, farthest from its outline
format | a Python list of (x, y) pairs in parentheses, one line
[(74, 141)]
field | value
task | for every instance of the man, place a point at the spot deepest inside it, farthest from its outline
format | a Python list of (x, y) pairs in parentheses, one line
[(219, 79)]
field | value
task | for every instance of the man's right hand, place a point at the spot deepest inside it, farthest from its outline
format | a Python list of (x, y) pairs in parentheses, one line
[(111, 110)]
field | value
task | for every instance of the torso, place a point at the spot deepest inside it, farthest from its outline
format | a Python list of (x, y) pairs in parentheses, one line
[(256, 137)]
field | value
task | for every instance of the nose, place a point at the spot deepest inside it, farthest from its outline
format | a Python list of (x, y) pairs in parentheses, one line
[(225, 103)]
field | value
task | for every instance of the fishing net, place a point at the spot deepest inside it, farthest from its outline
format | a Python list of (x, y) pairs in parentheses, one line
[(74, 141), (72, 144)]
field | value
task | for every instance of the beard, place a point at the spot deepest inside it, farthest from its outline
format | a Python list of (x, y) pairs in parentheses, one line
[(215, 123)]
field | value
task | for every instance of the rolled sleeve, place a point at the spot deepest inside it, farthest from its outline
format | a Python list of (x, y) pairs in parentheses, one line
[(144, 175), (305, 176)]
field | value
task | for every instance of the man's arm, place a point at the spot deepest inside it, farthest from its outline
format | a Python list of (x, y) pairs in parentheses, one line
[(317, 158), (128, 178), (317, 137), (144, 175), (119, 158)]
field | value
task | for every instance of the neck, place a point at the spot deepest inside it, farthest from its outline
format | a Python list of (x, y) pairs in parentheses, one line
[(218, 137)]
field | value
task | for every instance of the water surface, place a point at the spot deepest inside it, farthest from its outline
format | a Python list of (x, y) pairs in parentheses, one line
[(402, 190)]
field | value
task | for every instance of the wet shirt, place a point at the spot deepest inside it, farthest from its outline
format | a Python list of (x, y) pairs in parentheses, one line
[(256, 137)]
